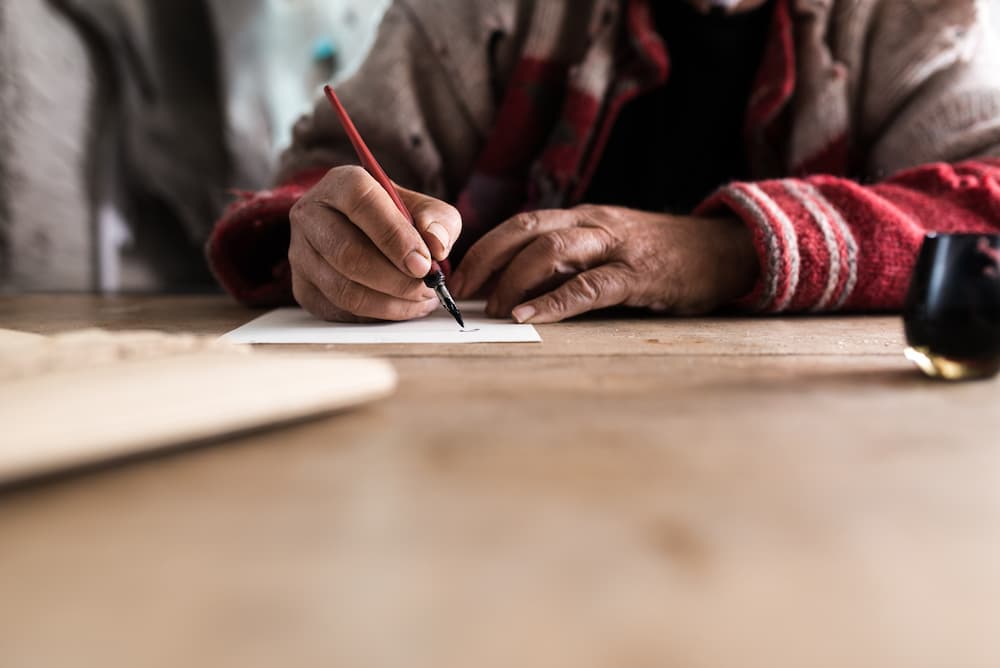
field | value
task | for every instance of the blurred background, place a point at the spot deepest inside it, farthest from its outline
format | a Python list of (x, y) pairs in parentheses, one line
[(126, 124), (102, 100)]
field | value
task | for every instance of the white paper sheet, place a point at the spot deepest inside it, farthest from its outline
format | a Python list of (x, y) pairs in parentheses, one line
[(293, 325)]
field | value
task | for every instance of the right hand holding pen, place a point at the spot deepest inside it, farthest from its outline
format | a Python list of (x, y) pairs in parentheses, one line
[(355, 257)]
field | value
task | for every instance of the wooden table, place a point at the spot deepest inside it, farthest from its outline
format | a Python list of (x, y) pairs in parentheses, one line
[(648, 492)]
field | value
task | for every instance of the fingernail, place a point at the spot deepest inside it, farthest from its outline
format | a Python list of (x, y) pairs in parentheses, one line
[(524, 313), (417, 264), (438, 232)]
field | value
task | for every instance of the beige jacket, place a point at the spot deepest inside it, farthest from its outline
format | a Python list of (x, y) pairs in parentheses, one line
[(908, 81)]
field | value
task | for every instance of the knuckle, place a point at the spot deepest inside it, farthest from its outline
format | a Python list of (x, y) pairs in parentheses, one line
[(588, 287), (305, 218), (297, 214), (345, 176), (552, 246), (645, 264), (348, 296), (606, 240), (559, 301), (529, 221), (349, 258), (586, 211), (313, 226), (349, 189)]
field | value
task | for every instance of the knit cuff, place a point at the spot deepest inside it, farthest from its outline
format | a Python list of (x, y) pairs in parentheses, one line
[(248, 248), (808, 256)]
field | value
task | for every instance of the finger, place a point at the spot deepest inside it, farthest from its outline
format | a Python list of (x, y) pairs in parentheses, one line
[(439, 223), (344, 247), (547, 262), (362, 301), (499, 246), (356, 194), (312, 300), (598, 288)]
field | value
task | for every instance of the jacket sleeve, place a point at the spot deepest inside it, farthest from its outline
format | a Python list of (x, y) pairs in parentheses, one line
[(928, 116), (827, 244), (423, 101), (248, 248)]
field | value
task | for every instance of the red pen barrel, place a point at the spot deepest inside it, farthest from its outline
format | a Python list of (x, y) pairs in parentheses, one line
[(435, 277)]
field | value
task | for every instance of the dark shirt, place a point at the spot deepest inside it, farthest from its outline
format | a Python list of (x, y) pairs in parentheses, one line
[(672, 146)]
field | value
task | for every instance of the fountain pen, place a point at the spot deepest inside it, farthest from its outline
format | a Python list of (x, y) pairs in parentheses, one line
[(435, 278)]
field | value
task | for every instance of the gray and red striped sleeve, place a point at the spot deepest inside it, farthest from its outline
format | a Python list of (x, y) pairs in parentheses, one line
[(828, 244)]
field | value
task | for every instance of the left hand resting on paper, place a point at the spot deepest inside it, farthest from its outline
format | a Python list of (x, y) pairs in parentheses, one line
[(554, 264)]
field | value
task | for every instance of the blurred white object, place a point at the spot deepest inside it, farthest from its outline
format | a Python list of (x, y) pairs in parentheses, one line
[(122, 394), (271, 68), (47, 87), (57, 211)]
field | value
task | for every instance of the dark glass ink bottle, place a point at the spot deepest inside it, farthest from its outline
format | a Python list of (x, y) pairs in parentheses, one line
[(952, 311)]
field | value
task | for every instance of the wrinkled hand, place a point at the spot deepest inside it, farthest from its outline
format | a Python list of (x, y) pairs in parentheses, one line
[(545, 266), (355, 257)]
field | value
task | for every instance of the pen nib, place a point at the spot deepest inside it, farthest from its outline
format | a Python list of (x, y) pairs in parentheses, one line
[(446, 301)]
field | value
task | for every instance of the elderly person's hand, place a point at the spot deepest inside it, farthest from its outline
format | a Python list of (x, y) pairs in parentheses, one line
[(355, 257), (545, 266)]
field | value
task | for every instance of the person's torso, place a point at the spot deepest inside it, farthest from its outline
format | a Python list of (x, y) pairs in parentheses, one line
[(673, 145)]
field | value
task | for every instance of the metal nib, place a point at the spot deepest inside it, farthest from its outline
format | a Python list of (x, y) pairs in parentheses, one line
[(446, 301)]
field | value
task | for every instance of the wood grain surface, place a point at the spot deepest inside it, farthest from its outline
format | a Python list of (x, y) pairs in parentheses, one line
[(630, 492)]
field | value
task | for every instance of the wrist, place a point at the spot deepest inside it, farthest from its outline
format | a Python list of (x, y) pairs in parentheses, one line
[(736, 265)]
